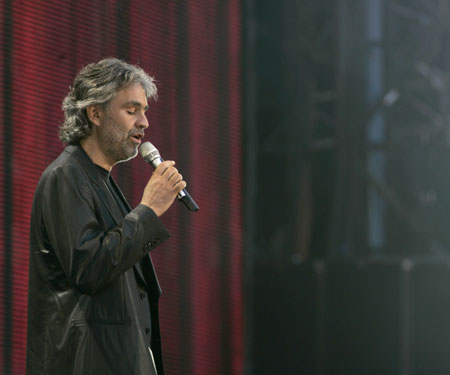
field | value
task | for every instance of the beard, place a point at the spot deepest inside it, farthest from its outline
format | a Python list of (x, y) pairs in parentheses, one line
[(116, 143)]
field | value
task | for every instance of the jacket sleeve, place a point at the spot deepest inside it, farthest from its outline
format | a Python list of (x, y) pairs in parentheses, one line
[(90, 257)]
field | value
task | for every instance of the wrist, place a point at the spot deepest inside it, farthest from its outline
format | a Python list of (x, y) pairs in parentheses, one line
[(155, 210)]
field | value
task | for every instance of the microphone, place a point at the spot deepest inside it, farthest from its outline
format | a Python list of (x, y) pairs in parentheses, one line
[(151, 155)]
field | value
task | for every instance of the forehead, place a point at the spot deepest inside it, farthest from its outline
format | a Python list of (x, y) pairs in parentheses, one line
[(132, 94)]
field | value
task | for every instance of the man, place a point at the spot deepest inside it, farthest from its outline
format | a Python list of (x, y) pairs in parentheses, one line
[(93, 292)]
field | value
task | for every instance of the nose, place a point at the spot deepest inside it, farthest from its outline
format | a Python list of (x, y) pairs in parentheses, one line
[(142, 122)]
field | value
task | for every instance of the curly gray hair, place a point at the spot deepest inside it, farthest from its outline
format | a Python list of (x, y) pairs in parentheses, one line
[(96, 84)]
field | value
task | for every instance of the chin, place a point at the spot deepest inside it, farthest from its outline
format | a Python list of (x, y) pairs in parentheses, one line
[(128, 155)]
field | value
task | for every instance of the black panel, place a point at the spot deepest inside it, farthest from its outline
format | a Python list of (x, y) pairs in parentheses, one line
[(384, 317), (430, 309), (285, 321), (363, 319)]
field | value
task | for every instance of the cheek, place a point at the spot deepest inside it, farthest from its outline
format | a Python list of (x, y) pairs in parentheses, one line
[(125, 123), (118, 125)]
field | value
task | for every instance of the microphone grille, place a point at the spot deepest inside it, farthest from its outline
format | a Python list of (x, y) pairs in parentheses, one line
[(146, 149)]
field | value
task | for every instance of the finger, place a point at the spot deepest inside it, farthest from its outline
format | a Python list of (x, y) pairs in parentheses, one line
[(180, 186), (173, 173), (162, 168), (178, 179)]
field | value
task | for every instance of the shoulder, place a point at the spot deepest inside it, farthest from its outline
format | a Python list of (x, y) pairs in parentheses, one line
[(70, 167), (64, 180), (65, 164)]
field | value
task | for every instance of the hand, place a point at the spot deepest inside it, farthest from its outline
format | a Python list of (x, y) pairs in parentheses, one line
[(162, 188)]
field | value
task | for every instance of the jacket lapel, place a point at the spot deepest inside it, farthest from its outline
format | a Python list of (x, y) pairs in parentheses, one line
[(103, 192), (137, 266)]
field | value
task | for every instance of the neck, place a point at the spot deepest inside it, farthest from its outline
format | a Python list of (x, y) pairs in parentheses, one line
[(92, 148)]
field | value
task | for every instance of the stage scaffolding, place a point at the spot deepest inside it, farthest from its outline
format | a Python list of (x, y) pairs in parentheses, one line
[(348, 128)]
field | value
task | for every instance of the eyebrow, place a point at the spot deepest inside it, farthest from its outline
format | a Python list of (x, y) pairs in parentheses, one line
[(134, 103)]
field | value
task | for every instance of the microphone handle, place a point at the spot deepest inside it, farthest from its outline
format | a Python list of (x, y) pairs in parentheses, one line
[(187, 200), (183, 196)]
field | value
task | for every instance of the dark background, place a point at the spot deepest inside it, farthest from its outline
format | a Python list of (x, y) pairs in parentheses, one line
[(347, 188), (314, 135)]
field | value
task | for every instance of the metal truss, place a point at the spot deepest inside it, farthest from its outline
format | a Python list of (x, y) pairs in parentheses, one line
[(409, 189)]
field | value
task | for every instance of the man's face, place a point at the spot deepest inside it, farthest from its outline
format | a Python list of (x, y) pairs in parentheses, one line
[(122, 124)]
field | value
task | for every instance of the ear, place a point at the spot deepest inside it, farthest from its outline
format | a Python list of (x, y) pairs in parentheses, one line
[(93, 114)]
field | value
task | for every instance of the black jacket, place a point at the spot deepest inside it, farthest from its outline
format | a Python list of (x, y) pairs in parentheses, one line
[(89, 266)]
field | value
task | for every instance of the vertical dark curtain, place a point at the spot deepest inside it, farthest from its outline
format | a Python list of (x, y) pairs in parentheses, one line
[(193, 50)]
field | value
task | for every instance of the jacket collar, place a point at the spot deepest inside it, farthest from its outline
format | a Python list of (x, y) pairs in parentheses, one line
[(98, 182)]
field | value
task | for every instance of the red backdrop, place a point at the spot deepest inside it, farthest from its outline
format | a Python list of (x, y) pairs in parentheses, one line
[(193, 50)]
